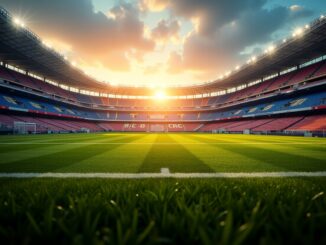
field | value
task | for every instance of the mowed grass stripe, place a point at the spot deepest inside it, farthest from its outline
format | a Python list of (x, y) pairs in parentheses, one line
[(122, 158), (229, 142), (257, 139), (273, 155), (83, 139), (60, 157), (172, 156), (224, 159), (291, 146), (18, 144), (123, 152), (312, 151), (45, 137), (20, 152)]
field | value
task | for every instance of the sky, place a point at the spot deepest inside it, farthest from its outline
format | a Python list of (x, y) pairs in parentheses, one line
[(162, 42)]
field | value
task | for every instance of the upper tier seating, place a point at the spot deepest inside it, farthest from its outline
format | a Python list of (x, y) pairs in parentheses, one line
[(267, 86), (303, 74), (321, 71)]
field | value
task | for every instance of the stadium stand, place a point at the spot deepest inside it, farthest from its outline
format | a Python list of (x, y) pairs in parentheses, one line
[(310, 123), (293, 99)]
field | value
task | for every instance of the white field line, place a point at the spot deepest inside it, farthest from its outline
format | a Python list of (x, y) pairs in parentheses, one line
[(163, 143), (165, 171), (164, 175)]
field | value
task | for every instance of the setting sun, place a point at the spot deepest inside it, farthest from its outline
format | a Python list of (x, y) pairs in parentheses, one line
[(160, 95)]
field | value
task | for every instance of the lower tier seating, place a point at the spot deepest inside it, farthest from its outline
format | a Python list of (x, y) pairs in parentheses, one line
[(294, 123), (311, 123), (56, 125)]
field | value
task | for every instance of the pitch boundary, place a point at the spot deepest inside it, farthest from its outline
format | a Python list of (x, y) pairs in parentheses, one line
[(21, 175), (162, 143)]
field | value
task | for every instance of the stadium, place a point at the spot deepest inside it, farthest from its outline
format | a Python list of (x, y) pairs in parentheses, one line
[(240, 159)]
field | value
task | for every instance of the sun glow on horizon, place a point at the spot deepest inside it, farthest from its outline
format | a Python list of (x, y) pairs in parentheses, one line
[(160, 95)]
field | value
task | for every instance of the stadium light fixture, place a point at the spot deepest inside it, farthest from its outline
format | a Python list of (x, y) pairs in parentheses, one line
[(49, 45), (252, 60), (19, 22), (271, 49), (298, 32)]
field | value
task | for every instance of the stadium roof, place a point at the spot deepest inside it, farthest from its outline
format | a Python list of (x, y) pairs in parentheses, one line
[(22, 48)]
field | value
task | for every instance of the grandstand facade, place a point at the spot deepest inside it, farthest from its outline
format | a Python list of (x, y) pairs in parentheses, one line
[(281, 92)]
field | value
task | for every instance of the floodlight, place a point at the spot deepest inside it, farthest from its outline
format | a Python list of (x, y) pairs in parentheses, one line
[(19, 22), (271, 48), (297, 32)]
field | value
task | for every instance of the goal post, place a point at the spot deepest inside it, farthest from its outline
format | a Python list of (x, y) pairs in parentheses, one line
[(24, 128)]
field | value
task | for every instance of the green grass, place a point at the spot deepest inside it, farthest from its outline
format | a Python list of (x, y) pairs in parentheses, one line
[(162, 211), (250, 211), (151, 152)]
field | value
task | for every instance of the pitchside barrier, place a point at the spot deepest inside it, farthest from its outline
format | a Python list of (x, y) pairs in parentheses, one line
[(320, 133)]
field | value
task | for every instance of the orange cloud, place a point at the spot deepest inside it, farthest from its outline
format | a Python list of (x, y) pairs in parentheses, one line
[(153, 5), (153, 69), (94, 36), (166, 31), (175, 63)]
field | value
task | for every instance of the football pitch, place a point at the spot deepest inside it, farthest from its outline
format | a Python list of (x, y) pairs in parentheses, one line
[(265, 202), (154, 153)]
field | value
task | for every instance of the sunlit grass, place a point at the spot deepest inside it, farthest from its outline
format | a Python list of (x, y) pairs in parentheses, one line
[(270, 211), (162, 211), (132, 152)]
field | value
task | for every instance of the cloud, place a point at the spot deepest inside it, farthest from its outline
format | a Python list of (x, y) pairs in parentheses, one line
[(153, 69), (224, 29), (211, 13), (95, 36), (153, 5), (223, 34), (166, 31), (295, 7), (298, 11), (175, 63)]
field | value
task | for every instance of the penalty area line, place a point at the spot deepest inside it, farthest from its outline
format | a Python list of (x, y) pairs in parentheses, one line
[(164, 174)]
